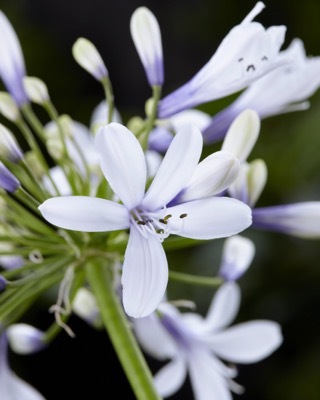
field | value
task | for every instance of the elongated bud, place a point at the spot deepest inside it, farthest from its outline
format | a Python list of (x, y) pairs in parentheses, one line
[(36, 90), (242, 134), (9, 148), (8, 181), (85, 306), (256, 180), (146, 36), (8, 107), (25, 339), (237, 255), (88, 57), (3, 283)]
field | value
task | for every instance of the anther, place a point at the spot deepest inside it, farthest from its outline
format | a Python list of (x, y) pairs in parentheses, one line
[(167, 217), (264, 58), (163, 221), (141, 223), (240, 59), (183, 215), (251, 66)]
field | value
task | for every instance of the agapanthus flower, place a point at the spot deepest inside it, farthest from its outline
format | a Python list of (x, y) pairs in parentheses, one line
[(12, 66), (146, 36), (248, 52), (180, 200), (196, 345), (282, 90), (11, 386)]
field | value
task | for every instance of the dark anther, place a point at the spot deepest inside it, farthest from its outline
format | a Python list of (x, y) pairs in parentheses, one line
[(141, 223), (251, 66), (183, 215), (161, 231), (240, 59), (264, 58), (167, 217), (163, 221)]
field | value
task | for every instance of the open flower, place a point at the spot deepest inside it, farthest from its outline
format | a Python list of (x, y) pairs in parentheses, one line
[(195, 345), (178, 201), (248, 52), (283, 90), (12, 67), (11, 386)]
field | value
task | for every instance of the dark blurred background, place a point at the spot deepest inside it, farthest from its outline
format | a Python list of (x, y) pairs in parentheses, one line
[(283, 283)]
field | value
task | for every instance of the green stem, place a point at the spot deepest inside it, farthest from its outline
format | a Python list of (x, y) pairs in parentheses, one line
[(106, 83), (196, 279), (120, 333)]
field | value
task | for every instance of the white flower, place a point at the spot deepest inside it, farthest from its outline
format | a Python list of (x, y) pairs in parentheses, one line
[(248, 52), (195, 345), (154, 215), (280, 91), (297, 219), (146, 36), (12, 67), (237, 255), (12, 387)]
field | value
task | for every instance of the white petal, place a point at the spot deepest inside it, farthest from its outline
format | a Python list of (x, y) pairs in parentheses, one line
[(207, 382), (248, 342), (256, 177), (176, 168), (224, 307), (145, 274), (122, 162), (171, 377), (87, 214), (146, 36), (211, 218), (190, 117), (242, 134), (237, 255), (150, 332), (212, 175), (99, 116), (25, 339), (59, 178)]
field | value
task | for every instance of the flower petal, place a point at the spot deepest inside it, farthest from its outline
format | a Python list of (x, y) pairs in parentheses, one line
[(145, 274), (122, 162), (86, 214), (176, 168), (248, 342), (171, 377), (150, 332), (211, 218), (212, 175), (207, 382), (224, 307)]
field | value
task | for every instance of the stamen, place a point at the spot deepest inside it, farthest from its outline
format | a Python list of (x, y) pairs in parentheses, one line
[(183, 215), (167, 217), (254, 12)]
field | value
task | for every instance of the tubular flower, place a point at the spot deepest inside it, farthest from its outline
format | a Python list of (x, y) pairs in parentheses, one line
[(12, 67), (248, 52), (283, 90), (195, 345), (175, 203)]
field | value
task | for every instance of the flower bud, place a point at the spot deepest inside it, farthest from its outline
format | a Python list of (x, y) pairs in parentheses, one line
[(8, 107), (36, 90), (9, 148), (25, 339), (85, 306), (8, 181), (88, 57)]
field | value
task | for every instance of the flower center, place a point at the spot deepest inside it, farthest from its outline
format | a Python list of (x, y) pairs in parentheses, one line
[(151, 223)]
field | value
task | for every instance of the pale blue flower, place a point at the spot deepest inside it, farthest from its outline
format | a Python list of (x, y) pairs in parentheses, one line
[(12, 67), (248, 52), (180, 200), (283, 90), (195, 345)]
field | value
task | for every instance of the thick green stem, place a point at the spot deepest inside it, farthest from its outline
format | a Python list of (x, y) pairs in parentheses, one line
[(119, 331)]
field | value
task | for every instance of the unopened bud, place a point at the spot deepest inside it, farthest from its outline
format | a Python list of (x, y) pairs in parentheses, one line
[(36, 90), (8, 107), (25, 339), (9, 148)]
